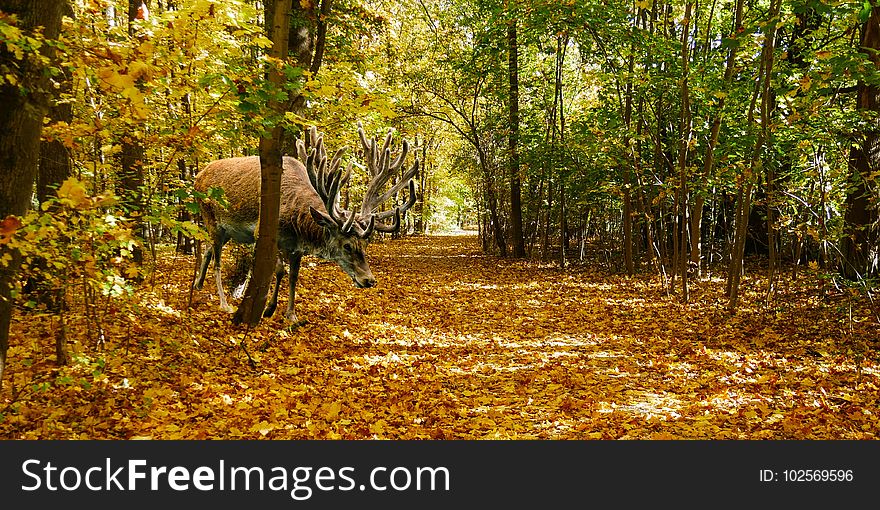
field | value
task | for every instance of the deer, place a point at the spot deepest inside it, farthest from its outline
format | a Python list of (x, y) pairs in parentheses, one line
[(312, 222)]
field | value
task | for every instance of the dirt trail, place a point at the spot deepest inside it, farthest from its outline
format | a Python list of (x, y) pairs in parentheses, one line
[(456, 344)]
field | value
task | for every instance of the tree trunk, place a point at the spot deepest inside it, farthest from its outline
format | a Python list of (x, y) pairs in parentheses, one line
[(545, 234), (421, 193), (535, 220), (306, 33), (714, 131), (184, 242), (250, 311), (627, 178), (563, 224), (306, 37), (685, 130), (559, 110), (762, 89), (644, 211), (516, 232), (54, 168), (860, 250), (492, 206), (21, 122), (131, 173), (55, 161)]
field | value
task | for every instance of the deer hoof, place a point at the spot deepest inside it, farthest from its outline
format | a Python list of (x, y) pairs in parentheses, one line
[(292, 321), (227, 308), (296, 324)]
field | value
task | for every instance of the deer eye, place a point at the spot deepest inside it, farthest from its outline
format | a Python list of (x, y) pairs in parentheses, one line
[(347, 248)]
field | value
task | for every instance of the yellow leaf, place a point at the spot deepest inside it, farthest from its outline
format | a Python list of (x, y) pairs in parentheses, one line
[(10, 32), (378, 427), (122, 81), (114, 79), (138, 69), (140, 111), (134, 94), (806, 83), (332, 410), (327, 90), (73, 193), (147, 48), (262, 42)]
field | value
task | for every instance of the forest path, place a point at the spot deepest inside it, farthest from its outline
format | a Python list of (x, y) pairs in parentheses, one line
[(456, 344)]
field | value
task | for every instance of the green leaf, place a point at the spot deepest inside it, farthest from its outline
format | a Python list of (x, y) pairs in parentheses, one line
[(865, 13)]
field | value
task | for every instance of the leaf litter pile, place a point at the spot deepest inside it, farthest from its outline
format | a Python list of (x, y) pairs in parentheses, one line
[(454, 344)]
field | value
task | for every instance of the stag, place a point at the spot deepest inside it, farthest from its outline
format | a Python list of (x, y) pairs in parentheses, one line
[(312, 222)]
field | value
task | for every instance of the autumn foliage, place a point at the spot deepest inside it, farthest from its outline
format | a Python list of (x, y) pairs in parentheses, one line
[(453, 344), (630, 157)]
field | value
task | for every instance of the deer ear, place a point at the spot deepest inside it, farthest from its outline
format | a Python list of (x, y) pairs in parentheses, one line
[(322, 218)]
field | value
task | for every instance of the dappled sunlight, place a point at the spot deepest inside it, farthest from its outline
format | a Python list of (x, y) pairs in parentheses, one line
[(650, 404), (451, 344)]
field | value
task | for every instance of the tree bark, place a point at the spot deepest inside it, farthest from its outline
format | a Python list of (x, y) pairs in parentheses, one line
[(250, 311), (492, 206), (306, 28), (131, 176), (559, 110), (714, 132), (516, 232), (860, 250), (685, 131), (627, 178), (306, 36), (55, 163), (54, 167), (21, 122), (744, 195)]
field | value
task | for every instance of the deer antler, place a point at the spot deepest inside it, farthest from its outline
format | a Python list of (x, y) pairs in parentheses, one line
[(328, 180), (382, 169)]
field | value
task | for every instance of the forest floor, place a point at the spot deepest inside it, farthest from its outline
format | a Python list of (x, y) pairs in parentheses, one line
[(455, 344)]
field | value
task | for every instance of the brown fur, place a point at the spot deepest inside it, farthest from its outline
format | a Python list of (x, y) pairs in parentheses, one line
[(298, 232), (240, 180)]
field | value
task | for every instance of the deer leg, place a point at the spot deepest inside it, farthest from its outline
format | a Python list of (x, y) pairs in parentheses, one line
[(273, 301), (220, 239), (294, 259), (203, 270)]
